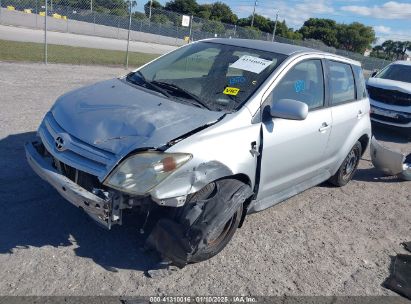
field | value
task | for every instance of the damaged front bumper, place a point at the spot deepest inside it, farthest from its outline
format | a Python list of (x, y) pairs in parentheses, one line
[(101, 207), (390, 162)]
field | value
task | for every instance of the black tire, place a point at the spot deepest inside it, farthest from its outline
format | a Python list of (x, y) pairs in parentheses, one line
[(348, 168), (209, 248)]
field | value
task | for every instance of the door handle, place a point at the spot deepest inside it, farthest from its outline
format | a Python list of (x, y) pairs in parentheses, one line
[(360, 114), (324, 127)]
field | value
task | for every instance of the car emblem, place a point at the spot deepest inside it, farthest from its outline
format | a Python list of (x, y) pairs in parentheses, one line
[(59, 143)]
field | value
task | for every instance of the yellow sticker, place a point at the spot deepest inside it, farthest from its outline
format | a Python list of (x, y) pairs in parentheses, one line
[(231, 91)]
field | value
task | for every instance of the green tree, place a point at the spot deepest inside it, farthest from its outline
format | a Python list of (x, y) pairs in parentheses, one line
[(114, 7), (160, 18), (213, 26), (355, 37), (139, 16), (155, 6), (325, 30), (188, 7), (391, 50), (401, 48), (222, 12), (284, 31), (388, 47), (249, 33), (378, 52), (204, 11)]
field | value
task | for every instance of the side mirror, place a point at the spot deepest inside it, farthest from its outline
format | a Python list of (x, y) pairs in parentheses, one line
[(374, 73), (289, 109)]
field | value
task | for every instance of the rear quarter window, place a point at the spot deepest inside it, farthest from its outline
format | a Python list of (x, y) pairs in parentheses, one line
[(342, 84), (360, 81)]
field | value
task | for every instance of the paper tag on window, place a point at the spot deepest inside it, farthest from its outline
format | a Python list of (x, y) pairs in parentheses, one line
[(251, 63), (231, 91)]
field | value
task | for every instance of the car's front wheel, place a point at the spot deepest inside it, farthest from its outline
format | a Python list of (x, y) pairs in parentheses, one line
[(204, 226), (213, 234), (349, 166)]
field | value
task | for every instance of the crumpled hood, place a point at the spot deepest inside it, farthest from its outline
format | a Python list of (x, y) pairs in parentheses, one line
[(117, 117), (388, 84)]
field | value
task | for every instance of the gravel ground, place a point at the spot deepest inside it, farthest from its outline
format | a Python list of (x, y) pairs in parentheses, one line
[(325, 241)]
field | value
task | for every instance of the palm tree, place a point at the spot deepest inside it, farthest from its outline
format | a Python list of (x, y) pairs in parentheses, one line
[(378, 49), (388, 48)]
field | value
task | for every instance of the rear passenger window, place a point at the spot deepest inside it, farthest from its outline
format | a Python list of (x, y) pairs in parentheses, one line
[(359, 77), (342, 84), (304, 82)]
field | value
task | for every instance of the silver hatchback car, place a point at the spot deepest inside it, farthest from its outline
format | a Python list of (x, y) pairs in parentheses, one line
[(200, 137)]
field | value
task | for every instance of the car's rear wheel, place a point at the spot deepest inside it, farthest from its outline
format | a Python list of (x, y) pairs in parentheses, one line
[(349, 166)]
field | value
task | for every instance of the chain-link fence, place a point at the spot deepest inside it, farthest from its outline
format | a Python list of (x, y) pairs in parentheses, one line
[(157, 26)]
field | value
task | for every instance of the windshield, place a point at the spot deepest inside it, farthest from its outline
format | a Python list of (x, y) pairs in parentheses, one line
[(214, 76), (396, 72)]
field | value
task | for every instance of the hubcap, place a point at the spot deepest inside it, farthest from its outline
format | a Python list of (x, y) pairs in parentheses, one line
[(351, 163), (224, 232)]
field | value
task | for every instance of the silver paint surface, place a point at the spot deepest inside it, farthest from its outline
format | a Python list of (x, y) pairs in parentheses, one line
[(109, 120), (389, 161)]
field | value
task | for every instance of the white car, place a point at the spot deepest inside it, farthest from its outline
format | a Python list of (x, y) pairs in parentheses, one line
[(390, 95), (204, 135)]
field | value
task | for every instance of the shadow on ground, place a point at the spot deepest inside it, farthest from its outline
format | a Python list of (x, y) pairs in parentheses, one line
[(34, 214), (390, 134)]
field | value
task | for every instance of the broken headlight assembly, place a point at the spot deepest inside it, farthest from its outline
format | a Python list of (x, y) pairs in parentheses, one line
[(141, 172)]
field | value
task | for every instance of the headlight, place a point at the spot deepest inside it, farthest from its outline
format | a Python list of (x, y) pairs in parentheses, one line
[(141, 172)]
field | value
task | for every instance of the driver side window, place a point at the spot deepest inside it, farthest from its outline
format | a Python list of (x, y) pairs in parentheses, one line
[(195, 65), (304, 82)]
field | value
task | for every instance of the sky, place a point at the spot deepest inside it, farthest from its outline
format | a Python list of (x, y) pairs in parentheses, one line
[(390, 19)]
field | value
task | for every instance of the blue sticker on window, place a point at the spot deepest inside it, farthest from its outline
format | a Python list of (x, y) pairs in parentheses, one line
[(299, 86), (236, 80)]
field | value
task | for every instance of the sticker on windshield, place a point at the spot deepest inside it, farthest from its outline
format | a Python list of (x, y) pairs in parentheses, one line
[(251, 64), (237, 80), (231, 91), (299, 86)]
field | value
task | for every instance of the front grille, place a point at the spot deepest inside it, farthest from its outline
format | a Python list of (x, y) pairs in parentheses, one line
[(389, 96), (75, 153), (399, 120), (83, 179)]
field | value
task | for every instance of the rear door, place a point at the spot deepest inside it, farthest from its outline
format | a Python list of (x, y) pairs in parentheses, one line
[(348, 104)]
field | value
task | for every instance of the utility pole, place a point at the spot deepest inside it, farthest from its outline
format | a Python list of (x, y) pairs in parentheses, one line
[(252, 19), (149, 14), (45, 34), (275, 26)]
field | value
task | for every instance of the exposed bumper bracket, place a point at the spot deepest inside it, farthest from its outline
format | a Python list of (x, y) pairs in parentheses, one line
[(99, 209)]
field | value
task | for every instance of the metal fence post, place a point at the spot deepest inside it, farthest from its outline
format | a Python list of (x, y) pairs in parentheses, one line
[(67, 21), (0, 11), (128, 36), (45, 33), (191, 27), (118, 29)]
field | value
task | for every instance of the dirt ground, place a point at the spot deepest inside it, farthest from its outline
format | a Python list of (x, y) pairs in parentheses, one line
[(325, 241)]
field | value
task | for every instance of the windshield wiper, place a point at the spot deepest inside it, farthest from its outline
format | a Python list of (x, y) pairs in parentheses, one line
[(177, 89), (146, 83)]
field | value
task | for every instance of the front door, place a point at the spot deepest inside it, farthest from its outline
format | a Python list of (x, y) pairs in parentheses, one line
[(293, 151)]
